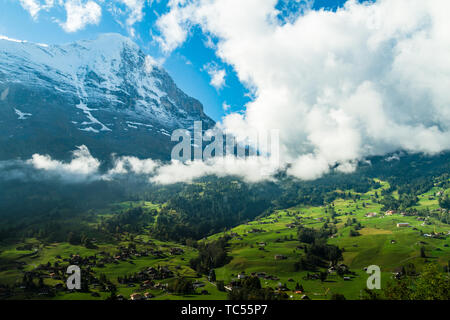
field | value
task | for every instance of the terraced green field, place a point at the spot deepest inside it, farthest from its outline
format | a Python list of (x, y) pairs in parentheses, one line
[(253, 248)]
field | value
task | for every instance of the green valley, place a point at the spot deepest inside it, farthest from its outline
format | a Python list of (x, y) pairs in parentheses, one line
[(299, 252)]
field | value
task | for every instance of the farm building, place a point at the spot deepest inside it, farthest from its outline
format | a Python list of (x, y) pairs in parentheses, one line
[(403, 225), (136, 296), (390, 212), (371, 214), (280, 257), (242, 275)]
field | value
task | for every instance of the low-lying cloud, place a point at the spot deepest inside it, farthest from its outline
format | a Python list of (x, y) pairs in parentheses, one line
[(84, 168)]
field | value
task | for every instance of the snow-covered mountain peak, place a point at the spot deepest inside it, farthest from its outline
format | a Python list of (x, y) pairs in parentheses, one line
[(102, 55), (100, 86)]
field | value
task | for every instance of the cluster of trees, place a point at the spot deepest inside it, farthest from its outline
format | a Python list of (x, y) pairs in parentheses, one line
[(356, 226), (444, 202), (318, 253), (354, 233), (250, 289), (83, 240), (182, 286), (405, 201), (309, 235), (431, 284), (211, 255), (353, 222), (133, 220)]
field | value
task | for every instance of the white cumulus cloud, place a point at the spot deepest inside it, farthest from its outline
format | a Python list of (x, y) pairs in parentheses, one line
[(80, 14), (217, 75), (135, 13), (35, 6), (368, 79), (83, 166)]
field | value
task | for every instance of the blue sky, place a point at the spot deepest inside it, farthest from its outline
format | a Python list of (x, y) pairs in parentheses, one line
[(185, 64)]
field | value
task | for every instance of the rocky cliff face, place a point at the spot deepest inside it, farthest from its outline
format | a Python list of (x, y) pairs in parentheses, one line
[(105, 94)]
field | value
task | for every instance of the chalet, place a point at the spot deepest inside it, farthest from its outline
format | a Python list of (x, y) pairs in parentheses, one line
[(136, 296), (161, 286), (347, 279), (147, 284), (261, 244), (228, 288), (398, 272), (232, 285), (198, 284), (280, 257), (148, 295), (371, 214), (242, 275), (151, 270), (389, 212), (403, 225)]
